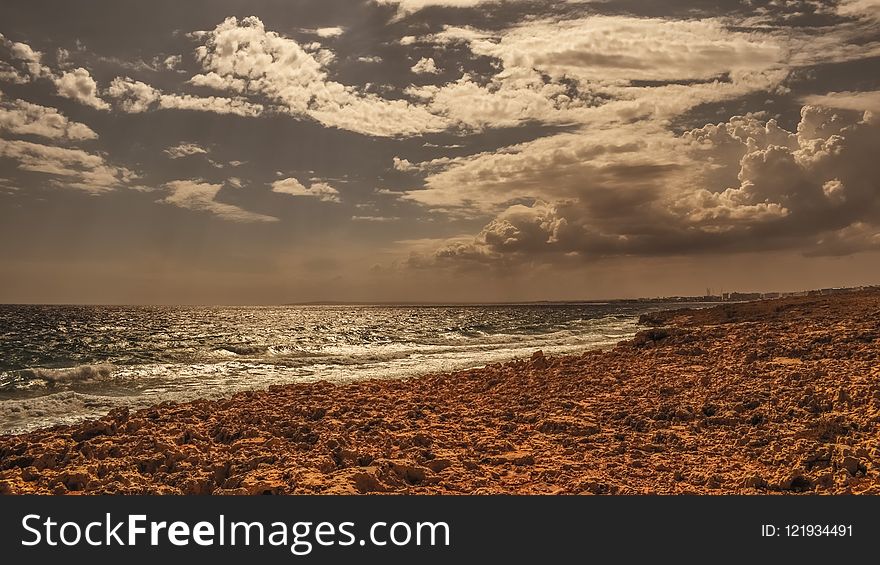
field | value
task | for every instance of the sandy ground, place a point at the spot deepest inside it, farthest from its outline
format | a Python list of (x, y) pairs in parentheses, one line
[(777, 396)]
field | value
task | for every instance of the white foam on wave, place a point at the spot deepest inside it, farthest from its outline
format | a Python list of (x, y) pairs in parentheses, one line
[(88, 392), (67, 407), (69, 374)]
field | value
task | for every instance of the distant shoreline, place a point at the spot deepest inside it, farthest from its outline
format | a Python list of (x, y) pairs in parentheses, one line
[(777, 396), (704, 299)]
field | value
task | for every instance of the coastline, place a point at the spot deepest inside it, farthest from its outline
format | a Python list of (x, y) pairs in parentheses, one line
[(776, 396)]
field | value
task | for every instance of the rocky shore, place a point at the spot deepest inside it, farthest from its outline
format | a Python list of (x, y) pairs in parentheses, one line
[(779, 396)]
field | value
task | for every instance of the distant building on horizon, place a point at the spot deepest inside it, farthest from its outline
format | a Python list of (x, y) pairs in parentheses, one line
[(741, 296)]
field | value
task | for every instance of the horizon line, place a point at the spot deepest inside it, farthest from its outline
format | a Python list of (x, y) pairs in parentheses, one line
[(669, 298)]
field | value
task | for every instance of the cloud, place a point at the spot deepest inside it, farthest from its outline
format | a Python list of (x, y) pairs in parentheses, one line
[(838, 44), (410, 6), (329, 31), (597, 70), (869, 9), (425, 65), (31, 60), (320, 190), (858, 101), (242, 56), (215, 104), (618, 48), (80, 86), (185, 150), (201, 197), (553, 167), (8, 73), (592, 70), (62, 57), (72, 168), (519, 229), (740, 185), (854, 238), (621, 183), (216, 82), (403, 165), (172, 62), (20, 117), (24, 52), (134, 96), (600, 69), (374, 219)]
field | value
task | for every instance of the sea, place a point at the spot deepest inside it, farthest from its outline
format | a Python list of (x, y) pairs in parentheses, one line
[(64, 364)]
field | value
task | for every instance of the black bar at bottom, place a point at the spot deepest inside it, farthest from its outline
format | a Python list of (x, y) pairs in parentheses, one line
[(505, 529)]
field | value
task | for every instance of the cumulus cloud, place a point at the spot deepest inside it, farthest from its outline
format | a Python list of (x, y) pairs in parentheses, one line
[(171, 62), (134, 96), (26, 63), (740, 185), (20, 117), (72, 168), (80, 86), (621, 183), (242, 56), (599, 69), (185, 150), (214, 104), (425, 65), (202, 197), (320, 190), (591, 70), (858, 101), (29, 59), (8, 73), (601, 172), (552, 167), (24, 52), (403, 165), (596, 70), (617, 48)]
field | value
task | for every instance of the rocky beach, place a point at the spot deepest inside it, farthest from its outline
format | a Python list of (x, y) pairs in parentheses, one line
[(771, 397)]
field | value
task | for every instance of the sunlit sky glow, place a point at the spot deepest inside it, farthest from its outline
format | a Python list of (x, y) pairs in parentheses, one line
[(436, 150)]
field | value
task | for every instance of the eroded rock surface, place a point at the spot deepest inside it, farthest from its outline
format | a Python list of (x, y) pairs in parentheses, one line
[(779, 396)]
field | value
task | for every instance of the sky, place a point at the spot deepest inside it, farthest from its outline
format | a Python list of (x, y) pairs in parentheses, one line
[(275, 151)]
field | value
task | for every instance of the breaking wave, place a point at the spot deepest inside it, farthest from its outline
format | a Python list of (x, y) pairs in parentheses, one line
[(62, 364), (69, 374), (65, 407)]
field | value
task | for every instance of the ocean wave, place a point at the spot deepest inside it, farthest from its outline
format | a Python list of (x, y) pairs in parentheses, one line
[(243, 349), (67, 374), (183, 382), (136, 357), (64, 407)]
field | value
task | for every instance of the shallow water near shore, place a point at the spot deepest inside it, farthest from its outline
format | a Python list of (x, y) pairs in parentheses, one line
[(63, 364)]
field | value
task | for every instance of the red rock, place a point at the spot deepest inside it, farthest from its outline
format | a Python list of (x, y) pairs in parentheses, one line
[(538, 361), (786, 399)]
